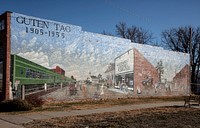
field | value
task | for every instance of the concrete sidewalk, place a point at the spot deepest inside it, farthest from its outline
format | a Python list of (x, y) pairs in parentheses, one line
[(16, 121)]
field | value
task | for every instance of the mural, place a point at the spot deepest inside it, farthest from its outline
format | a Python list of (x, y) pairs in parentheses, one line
[(102, 65)]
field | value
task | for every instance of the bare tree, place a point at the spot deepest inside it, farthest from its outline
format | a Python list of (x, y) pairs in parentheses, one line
[(135, 34), (106, 33), (121, 30), (185, 39)]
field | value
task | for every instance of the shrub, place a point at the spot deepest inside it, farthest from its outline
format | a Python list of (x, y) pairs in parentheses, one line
[(14, 105), (34, 100)]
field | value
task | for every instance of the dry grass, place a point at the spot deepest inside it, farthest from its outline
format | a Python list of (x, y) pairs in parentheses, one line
[(165, 117), (89, 103)]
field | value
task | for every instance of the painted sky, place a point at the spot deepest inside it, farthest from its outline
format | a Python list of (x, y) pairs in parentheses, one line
[(80, 52), (99, 15)]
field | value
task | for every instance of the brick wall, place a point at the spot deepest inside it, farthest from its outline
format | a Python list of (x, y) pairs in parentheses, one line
[(59, 70), (5, 42), (145, 74), (182, 80)]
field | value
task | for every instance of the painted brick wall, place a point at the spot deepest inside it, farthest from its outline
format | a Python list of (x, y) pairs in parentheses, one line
[(59, 70), (182, 80), (149, 81), (145, 74)]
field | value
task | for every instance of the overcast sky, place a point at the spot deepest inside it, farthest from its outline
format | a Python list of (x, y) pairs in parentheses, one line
[(102, 15)]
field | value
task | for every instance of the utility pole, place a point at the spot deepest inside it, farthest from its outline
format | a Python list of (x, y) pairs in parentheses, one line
[(191, 63), (191, 56)]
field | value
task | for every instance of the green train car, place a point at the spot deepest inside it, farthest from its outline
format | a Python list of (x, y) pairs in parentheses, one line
[(30, 74)]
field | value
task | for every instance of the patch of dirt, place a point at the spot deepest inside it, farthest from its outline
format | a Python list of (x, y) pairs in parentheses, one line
[(165, 117), (89, 103)]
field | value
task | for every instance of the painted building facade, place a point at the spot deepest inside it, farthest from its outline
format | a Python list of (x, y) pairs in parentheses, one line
[(145, 69), (58, 70), (150, 73)]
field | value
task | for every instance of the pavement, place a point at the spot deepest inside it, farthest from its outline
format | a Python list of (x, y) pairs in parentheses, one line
[(15, 121)]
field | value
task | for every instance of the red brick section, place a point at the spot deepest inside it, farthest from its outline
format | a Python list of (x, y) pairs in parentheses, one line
[(59, 70), (183, 77), (142, 69), (5, 40), (7, 56)]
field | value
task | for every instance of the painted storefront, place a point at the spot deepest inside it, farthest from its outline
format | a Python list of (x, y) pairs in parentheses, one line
[(124, 70)]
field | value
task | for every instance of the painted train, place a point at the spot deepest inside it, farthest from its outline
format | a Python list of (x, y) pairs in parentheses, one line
[(32, 75)]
